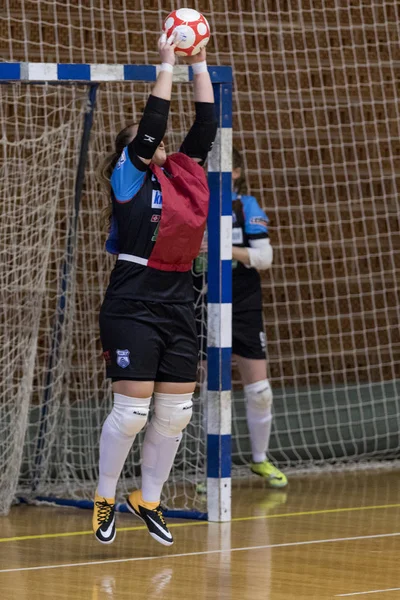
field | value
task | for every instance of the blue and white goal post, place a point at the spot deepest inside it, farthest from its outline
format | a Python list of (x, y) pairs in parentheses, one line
[(219, 256)]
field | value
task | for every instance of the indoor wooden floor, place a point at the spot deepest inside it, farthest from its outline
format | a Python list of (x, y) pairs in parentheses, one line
[(331, 536)]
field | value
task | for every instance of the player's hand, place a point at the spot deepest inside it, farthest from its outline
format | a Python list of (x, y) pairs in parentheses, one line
[(199, 57), (166, 48)]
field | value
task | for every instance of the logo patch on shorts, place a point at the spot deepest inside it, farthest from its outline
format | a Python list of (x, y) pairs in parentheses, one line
[(263, 340), (123, 359), (155, 218)]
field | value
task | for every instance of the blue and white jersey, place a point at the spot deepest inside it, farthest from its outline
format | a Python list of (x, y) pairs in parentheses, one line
[(137, 207), (126, 179), (249, 222)]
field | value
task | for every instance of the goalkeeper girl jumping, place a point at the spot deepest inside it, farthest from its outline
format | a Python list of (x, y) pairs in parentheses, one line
[(147, 322)]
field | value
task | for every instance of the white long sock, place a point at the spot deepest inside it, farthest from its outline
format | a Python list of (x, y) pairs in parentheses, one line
[(259, 419), (158, 455), (117, 436)]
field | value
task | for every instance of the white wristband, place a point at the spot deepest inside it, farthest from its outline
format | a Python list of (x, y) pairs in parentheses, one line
[(167, 67), (200, 67)]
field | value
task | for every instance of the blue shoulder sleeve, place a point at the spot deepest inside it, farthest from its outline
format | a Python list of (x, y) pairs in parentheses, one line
[(112, 243), (126, 179), (255, 219)]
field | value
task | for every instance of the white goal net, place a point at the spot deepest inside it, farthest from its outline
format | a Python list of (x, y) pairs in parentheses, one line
[(316, 115)]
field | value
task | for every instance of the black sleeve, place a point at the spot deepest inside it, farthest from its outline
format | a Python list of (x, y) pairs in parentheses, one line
[(151, 129), (200, 139)]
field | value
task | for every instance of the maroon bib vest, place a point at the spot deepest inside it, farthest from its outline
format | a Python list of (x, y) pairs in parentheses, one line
[(185, 199)]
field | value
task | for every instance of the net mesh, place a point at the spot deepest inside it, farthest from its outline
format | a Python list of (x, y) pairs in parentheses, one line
[(57, 360), (316, 115)]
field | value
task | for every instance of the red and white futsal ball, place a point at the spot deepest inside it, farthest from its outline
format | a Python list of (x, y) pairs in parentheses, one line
[(193, 30)]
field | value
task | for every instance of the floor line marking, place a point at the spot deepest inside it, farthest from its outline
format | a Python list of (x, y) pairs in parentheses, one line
[(369, 592), (317, 512), (75, 533), (194, 523), (202, 553)]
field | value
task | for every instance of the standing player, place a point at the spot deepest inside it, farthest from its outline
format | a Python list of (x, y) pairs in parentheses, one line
[(251, 253), (147, 323)]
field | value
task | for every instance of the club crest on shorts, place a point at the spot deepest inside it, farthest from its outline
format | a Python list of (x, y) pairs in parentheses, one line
[(123, 359)]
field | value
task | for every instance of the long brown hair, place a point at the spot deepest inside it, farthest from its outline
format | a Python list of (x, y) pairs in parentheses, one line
[(240, 185), (107, 166)]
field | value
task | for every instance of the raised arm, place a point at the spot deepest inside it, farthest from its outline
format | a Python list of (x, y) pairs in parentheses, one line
[(201, 136), (153, 123)]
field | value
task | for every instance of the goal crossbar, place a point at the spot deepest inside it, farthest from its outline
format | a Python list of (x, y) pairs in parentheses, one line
[(31, 72)]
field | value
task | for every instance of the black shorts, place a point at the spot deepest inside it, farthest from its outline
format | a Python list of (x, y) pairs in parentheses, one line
[(248, 335), (149, 341)]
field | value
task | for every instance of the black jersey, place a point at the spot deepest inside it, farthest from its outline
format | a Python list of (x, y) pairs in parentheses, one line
[(137, 206)]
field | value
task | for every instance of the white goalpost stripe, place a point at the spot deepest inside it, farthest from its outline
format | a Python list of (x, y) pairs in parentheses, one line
[(39, 71), (201, 553), (99, 72), (219, 493), (220, 325), (221, 162), (219, 413), (226, 237), (180, 74)]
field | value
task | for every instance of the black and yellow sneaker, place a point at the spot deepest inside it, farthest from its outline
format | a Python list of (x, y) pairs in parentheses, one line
[(151, 514), (104, 519)]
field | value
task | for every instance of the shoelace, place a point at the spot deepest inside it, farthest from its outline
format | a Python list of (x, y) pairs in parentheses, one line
[(105, 511), (160, 515)]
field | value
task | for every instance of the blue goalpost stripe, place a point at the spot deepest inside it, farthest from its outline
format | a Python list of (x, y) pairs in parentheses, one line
[(67, 72), (99, 72), (219, 369), (221, 182), (140, 72), (219, 271), (10, 71), (219, 460)]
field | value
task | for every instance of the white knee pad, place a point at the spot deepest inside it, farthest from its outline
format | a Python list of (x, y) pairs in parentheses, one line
[(172, 412), (259, 395), (129, 415)]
